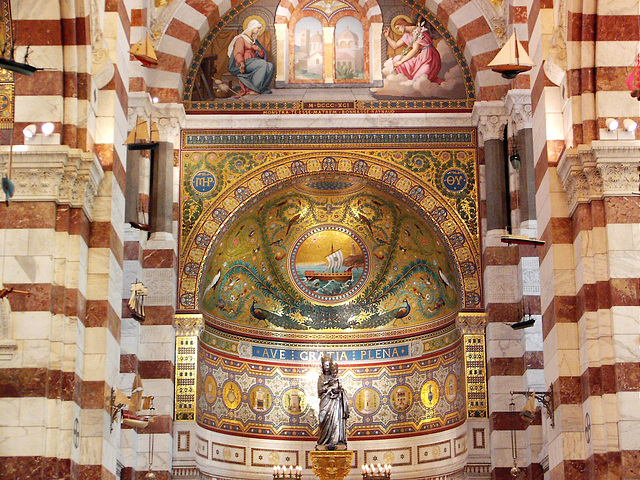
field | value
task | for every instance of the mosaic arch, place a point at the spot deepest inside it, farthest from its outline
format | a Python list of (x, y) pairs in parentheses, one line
[(294, 40), (259, 230)]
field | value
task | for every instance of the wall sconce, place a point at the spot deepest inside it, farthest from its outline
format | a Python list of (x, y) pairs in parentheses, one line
[(47, 128), (613, 132), (376, 472), (287, 471), (45, 137), (545, 398), (629, 125), (29, 131)]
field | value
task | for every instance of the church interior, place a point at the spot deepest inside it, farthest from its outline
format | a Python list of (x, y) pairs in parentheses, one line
[(203, 199)]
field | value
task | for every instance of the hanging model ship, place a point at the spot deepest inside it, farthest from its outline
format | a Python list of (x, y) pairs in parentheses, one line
[(512, 59), (136, 302), (138, 404), (334, 264)]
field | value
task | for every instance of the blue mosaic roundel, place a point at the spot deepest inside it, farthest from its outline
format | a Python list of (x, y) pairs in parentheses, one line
[(454, 180), (203, 181)]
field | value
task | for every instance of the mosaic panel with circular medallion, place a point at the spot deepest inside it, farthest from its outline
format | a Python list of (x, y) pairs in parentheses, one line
[(367, 401), (294, 401), (210, 389), (451, 387), (430, 394), (260, 399), (401, 398), (329, 263), (231, 395)]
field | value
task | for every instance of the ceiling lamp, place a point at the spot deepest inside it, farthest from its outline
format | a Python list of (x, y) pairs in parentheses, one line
[(512, 59)]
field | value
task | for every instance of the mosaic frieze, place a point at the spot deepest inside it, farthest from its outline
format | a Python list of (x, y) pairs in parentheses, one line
[(271, 400)]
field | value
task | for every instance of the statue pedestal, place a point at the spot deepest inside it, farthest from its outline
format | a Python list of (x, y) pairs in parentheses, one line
[(331, 465)]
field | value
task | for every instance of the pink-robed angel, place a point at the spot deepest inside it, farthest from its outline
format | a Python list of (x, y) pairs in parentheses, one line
[(420, 57)]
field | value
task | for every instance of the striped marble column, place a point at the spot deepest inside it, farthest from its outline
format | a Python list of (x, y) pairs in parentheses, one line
[(46, 391)]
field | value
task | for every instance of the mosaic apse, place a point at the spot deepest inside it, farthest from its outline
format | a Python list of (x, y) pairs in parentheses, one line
[(330, 253)]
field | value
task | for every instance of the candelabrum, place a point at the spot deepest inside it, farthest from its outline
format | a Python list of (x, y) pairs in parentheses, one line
[(287, 471), (376, 472)]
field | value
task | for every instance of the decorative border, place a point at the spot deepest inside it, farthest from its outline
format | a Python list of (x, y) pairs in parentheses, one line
[(416, 138), (382, 452), (294, 453), (475, 363), (205, 442), (187, 436), (421, 449), (223, 460), (185, 378)]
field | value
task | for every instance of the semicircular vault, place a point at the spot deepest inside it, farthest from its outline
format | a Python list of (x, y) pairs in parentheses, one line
[(329, 254)]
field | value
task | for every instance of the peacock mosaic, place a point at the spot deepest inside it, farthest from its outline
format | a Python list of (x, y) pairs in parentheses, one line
[(346, 241), (302, 262), (389, 399)]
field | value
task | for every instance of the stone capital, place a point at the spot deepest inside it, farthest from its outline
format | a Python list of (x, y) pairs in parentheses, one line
[(518, 103), (67, 176), (601, 169), (490, 117), (471, 323)]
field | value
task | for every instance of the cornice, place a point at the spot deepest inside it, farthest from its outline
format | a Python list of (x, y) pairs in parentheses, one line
[(68, 176), (602, 169)]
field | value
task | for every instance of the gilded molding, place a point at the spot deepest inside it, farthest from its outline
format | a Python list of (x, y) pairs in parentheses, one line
[(54, 173), (188, 325), (602, 169), (471, 323)]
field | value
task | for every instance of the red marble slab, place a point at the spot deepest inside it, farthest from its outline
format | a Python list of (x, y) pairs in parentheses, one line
[(511, 366), (623, 292), (503, 312), (165, 258), (94, 394), (534, 360), (23, 382), (29, 214), (501, 421), (622, 209), (503, 255), (567, 390), (156, 369), (128, 363), (159, 315), (627, 376)]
